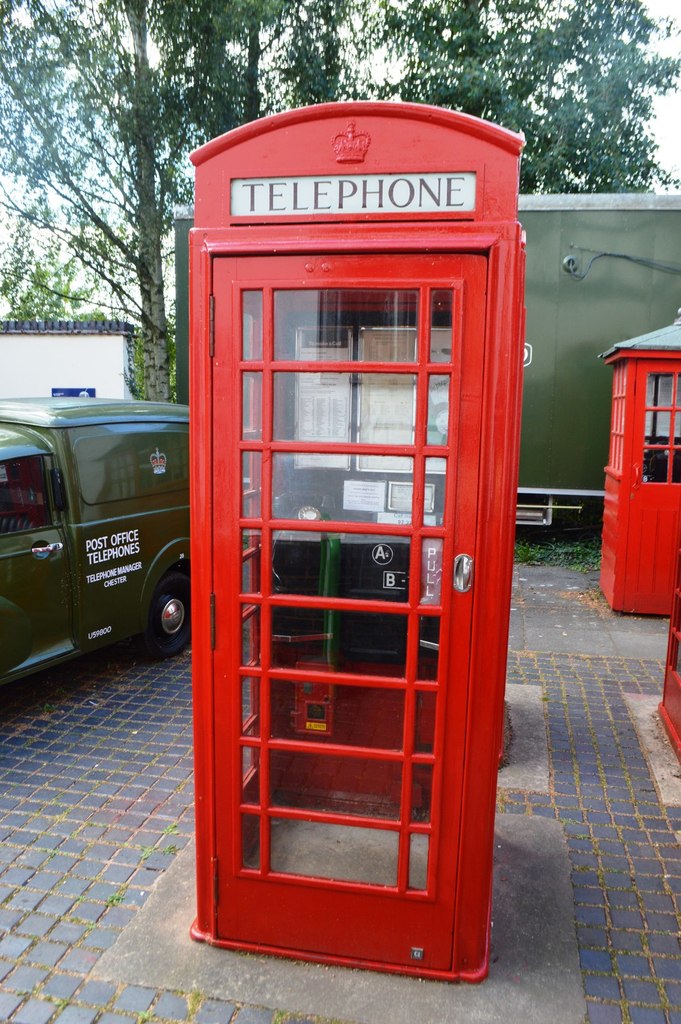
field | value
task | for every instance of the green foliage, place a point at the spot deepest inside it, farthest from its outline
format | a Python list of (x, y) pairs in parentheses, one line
[(577, 78), (581, 554), (100, 103), (102, 100), (37, 281), (225, 65)]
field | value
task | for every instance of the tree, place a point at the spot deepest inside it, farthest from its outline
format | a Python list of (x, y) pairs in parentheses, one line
[(234, 63), (577, 78), (37, 280), (80, 127), (101, 101)]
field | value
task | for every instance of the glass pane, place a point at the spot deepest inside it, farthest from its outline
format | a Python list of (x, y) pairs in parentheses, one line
[(346, 564), (250, 841), (425, 721), (418, 860), (438, 410), (252, 325), (252, 485), (386, 404), (360, 716), (676, 467), (421, 792), (304, 637), (386, 409), (655, 462), (657, 427), (312, 407), (250, 554), (387, 344), (659, 389), (318, 486), (674, 652), (349, 641), (376, 325), (429, 647), (434, 494), (252, 406), (338, 785), (371, 408), (250, 636), (250, 706), (250, 792), (431, 570), (342, 852), (441, 327), (677, 425)]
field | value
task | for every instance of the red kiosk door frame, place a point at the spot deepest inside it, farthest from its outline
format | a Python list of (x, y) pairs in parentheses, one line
[(380, 834)]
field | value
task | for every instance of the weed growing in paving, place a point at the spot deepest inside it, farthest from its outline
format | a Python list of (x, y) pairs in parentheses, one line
[(117, 897)]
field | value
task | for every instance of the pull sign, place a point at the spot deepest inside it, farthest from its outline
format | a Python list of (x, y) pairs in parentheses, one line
[(463, 573)]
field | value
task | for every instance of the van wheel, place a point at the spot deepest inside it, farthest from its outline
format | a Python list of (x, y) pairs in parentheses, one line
[(169, 623)]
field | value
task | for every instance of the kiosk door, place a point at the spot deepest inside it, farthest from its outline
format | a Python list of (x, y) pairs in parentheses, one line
[(346, 399), (655, 488)]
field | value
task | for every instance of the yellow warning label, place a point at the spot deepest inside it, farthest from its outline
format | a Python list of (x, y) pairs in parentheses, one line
[(316, 726)]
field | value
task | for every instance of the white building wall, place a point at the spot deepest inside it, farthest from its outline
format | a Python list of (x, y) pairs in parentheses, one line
[(32, 365)]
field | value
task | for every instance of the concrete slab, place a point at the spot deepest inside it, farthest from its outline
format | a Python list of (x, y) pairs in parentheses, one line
[(655, 744), (562, 611), (534, 971), (528, 753)]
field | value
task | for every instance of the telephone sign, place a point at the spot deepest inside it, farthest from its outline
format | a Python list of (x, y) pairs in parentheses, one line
[(357, 277)]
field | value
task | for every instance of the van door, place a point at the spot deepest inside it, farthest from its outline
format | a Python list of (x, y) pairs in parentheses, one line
[(35, 590)]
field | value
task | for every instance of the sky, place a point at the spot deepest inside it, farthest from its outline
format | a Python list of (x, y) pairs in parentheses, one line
[(667, 125)]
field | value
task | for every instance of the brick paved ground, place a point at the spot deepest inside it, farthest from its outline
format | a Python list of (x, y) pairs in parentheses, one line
[(624, 847), (95, 800)]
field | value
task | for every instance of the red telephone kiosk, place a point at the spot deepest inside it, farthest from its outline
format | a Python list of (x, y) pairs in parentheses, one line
[(643, 475), (356, 364)]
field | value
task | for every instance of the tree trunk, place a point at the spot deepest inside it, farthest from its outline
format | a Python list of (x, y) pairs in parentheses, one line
[(252, 75), (149, 217)]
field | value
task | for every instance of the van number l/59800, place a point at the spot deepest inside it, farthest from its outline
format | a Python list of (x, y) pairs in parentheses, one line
[(99, 632)]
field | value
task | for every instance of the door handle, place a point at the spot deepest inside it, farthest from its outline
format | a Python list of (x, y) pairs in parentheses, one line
[(45, 550), (463, 573)]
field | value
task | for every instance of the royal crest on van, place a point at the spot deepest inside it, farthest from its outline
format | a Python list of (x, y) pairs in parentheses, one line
[(158, 462)]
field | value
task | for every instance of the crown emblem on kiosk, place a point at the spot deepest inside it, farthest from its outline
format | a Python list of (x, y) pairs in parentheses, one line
[(158, 462), (351, 146)]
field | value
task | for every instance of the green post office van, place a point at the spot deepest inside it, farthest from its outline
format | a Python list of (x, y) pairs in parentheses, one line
[(94, 529)]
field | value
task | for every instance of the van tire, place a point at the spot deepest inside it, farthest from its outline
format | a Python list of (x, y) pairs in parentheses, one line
[(169, 621)]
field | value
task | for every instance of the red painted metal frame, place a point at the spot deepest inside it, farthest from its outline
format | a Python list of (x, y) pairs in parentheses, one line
[(640, 520), (474, 737), (670, 706)]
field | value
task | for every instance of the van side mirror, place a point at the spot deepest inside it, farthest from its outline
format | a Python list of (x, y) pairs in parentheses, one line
[(58, 493)]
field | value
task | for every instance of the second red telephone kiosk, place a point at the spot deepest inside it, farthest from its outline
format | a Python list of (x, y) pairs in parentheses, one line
[(643, 475), (356, 366)]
